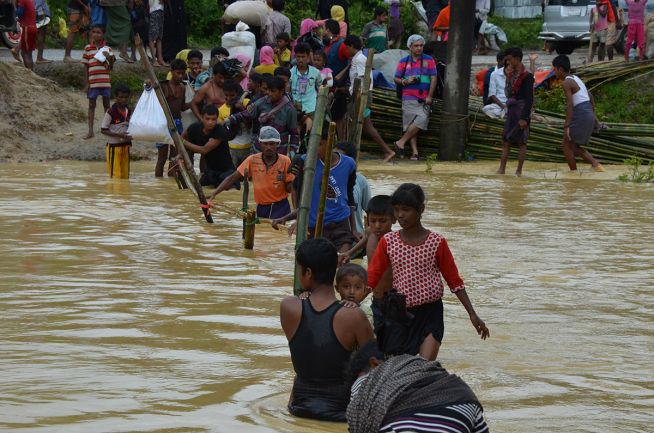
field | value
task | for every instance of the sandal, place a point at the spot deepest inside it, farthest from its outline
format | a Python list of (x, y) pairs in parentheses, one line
[(414, 157), (399, 151)]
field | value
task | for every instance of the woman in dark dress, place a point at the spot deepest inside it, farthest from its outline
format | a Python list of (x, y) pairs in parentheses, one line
[(174, 36)]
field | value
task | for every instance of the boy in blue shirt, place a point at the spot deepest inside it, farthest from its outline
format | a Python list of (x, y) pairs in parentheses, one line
[(339, 225)]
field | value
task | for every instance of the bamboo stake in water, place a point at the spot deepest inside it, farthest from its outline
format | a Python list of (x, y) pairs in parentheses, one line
[(246, 197), (250, 225), (327, 165), (309, 172), (187, 166)]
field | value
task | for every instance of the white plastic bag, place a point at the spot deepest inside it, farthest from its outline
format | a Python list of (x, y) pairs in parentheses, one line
[(148, 122), (252, 12)]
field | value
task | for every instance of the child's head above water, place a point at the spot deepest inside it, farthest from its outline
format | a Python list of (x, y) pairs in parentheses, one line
[(352, 283), (318, 259), (380, 215)]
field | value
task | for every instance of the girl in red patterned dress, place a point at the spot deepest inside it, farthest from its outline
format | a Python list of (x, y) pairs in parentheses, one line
[(418, 257)]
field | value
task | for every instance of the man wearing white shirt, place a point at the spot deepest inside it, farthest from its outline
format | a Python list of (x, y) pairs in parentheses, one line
[(496, 108), (358, 70)]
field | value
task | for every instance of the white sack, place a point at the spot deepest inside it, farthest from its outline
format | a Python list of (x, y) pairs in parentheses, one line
[(251, 12), (240, 42), (148, 122)]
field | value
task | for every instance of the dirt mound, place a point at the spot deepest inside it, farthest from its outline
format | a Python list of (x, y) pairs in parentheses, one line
[(42, 121)]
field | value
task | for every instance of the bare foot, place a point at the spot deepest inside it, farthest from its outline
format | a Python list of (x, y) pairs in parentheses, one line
[(43, 61), (89, 135), (598, 168), (389, 156), (517, 173), (14, 53), (69, 59), (499, 171)]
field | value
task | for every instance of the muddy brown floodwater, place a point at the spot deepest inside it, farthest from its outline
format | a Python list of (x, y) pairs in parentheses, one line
[(121, 311)]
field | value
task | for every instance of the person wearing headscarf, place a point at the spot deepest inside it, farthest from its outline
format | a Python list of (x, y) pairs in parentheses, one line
[(415, 75), (266, 61), (310, 34), (338, 15), (407, 393)]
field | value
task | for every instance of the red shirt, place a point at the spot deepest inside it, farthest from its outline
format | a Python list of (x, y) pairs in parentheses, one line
[(28, 19), (417, 269)]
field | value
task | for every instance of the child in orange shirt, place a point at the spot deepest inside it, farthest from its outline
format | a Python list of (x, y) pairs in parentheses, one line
[(270, 177)]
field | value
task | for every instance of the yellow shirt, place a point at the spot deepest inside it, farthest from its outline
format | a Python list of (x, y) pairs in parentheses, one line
[(266, 69), (284, 59), (242, 140)]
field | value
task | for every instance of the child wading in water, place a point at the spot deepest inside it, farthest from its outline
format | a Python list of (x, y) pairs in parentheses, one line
[(417, 258), (114, 126)]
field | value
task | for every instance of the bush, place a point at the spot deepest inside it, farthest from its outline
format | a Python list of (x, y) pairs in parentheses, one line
[(521, 32)]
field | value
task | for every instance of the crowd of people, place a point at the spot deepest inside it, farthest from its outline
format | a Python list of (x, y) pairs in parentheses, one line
[(249, 116)]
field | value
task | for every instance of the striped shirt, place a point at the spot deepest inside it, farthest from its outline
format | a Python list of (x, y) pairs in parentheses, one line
[(98, 72), (457, 418), (424, 68)]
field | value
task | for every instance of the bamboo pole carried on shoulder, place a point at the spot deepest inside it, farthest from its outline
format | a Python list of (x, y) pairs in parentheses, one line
[(187, 167), (363, 102), (327, 165), (309, 172)]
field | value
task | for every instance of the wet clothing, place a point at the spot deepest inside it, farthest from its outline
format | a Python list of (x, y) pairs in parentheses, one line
[(418, 270), (519, 90), (274, 210), (338, 232), (513, 133), (219, 161), (319, 361), (340, 190), (269, 181), (410, 394), (117, 150), (582, 123)]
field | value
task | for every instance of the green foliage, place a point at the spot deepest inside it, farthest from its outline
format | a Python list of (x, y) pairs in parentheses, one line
[(203, 17), (430, 161), (626, 101), (521, 32), (551, 100), (634, 173)]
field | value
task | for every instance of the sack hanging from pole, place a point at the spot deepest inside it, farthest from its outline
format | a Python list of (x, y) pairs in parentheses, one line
[(148, 122)]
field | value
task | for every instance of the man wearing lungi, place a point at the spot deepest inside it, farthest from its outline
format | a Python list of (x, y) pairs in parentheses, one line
[(519, 92), (580, 117)]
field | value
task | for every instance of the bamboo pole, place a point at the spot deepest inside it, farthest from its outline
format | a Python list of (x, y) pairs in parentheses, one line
[(309, 172), (250, 226), (327, 166), (363, 102), (187, 167), (354, 109), (246, 198)]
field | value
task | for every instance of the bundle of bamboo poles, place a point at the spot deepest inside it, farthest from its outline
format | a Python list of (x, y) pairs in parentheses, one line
[(612, 145)]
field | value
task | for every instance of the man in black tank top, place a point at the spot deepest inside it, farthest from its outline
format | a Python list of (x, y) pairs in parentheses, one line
[(321, 335)]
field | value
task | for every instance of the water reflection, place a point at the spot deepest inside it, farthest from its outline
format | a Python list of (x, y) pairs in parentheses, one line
[(123, 311)]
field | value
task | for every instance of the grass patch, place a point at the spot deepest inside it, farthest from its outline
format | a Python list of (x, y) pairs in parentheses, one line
[(520, 32)]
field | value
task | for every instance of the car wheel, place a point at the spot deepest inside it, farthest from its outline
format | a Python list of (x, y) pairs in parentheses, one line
[(11, 39), (564, 47)]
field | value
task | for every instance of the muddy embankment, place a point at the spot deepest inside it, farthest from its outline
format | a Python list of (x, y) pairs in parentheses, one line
[(43, 114)]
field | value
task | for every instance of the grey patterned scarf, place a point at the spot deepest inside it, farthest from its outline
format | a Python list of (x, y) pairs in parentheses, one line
[(402, 385)]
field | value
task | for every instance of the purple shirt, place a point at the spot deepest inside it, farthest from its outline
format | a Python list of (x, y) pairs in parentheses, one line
[(636, 11)]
